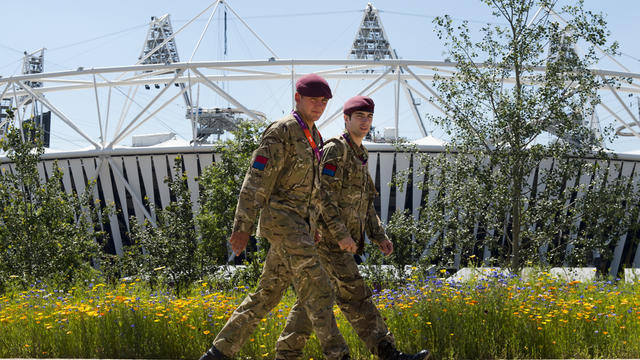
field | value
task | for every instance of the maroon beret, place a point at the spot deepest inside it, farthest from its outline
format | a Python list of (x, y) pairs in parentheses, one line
[(314, 86), (358, 103)]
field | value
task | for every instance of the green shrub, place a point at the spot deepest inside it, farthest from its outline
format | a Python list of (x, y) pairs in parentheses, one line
[(46, 234)]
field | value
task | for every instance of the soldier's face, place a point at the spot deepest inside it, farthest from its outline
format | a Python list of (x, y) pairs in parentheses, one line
[(359, 123), (311, 108)]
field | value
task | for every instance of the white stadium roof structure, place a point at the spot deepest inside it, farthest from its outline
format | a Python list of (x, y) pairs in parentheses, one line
[(128, 174), (126, 80), (372, 68)]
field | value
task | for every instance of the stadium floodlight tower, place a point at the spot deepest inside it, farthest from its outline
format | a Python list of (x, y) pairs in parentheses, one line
[(593, 123), (160, 48), (32, 63), (372, 43), (5, 104), (559, 49), (161, 32)]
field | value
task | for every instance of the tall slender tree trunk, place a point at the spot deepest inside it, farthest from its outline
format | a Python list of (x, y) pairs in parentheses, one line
[(517, 146), (516, 210)]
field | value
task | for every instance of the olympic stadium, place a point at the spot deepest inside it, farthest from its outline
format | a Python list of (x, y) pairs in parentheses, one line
[(122, 143)]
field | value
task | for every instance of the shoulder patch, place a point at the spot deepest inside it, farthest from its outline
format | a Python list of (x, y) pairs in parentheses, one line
[(329, 169), (260, 162)]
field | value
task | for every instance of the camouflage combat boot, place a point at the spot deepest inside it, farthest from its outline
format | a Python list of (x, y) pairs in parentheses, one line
[(214, 354), (387, 351)]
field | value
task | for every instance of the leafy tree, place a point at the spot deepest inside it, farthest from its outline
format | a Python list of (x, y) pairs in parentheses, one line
[(520, 81), (466, 213), (46, 234), (461, 214), (168, 251)]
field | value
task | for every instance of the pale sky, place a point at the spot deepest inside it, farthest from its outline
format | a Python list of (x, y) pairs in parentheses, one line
[(111, 33)]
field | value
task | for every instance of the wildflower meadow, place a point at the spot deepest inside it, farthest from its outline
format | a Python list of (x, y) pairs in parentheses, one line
[(501, 317)]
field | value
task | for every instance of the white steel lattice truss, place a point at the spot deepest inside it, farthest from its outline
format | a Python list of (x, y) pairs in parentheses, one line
[(128, 175)]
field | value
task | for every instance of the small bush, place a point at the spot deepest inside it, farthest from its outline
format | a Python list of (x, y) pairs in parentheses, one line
[(46, 234)]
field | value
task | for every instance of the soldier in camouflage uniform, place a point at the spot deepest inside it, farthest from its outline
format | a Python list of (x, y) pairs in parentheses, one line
[(346, 201), (280, 181)]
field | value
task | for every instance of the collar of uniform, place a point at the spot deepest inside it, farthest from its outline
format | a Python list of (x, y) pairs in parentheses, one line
[(314, 129), (315, 132), (360, 151)]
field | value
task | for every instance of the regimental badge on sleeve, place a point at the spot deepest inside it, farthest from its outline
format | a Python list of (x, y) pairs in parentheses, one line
[(260, 162), (329, 169)]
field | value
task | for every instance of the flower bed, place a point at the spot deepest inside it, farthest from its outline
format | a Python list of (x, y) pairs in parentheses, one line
[(496, 318)]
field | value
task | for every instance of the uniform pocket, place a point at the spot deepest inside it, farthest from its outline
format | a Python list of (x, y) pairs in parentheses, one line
[(298, 172)]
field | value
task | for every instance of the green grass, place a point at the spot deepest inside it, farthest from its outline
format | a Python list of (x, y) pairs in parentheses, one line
[(499, 318)]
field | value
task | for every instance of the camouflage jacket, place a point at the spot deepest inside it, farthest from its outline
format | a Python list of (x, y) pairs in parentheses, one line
[(280, 180), (346, 195)]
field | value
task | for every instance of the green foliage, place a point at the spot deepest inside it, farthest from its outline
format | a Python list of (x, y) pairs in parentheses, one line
[(167, 251), (407, 252), (46, 234), (460, 198), (497, 318), (479, 192), (221, 185), (466, 212)]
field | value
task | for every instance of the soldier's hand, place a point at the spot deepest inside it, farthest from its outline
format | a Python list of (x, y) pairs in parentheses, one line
[(386, 246), (347, 244), (318, 236), (239, 240)]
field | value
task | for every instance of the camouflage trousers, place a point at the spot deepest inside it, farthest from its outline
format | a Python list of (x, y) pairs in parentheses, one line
[(353, 297), (289, 261)]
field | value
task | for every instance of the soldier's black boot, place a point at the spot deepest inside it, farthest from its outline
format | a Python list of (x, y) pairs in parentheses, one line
[(214, 354), (387, 351), (346, 357)]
